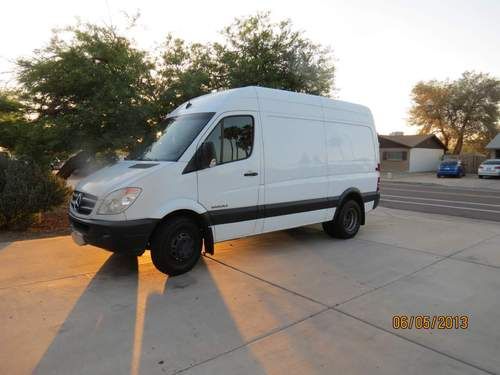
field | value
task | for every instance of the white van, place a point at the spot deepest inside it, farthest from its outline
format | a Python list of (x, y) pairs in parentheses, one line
[(232, 164)]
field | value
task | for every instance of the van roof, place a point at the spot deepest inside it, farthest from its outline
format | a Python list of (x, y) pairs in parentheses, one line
[(247, 98)]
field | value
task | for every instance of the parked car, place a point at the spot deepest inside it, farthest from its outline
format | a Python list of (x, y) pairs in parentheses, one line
[(452, 168), (232, 164), (489, 168)]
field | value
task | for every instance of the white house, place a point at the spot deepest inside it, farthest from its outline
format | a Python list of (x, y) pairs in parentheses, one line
[(494, 147), (410, 153)]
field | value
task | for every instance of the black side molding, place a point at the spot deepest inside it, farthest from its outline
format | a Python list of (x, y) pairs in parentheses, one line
[(234, 215)]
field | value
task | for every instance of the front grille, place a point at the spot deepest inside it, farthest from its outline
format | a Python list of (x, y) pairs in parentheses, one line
[(83, 203)]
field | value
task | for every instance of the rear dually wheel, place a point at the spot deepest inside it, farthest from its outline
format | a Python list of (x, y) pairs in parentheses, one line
[(346, 224)]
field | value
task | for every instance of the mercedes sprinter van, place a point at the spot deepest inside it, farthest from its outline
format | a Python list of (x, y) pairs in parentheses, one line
[(232, 164)]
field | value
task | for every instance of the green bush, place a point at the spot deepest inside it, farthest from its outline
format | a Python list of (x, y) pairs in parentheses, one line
[(25, 190)]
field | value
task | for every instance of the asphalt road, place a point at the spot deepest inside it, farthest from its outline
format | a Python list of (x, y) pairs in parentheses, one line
[(438, 199)]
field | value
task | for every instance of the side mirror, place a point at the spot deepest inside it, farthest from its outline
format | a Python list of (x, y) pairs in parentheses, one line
[(207, 155)]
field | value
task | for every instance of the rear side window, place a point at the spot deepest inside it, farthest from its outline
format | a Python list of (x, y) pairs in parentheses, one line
[(232, 138), (349, 142)]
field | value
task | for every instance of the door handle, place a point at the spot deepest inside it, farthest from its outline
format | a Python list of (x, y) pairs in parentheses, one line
[(250, 173)]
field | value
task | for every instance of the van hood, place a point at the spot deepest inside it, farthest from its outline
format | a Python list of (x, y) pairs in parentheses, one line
[(122, 174)]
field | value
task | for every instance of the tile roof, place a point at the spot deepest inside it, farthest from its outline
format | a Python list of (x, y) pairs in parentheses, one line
[(409, 140)]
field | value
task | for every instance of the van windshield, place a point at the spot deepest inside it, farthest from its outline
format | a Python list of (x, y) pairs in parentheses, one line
[(175, 136)]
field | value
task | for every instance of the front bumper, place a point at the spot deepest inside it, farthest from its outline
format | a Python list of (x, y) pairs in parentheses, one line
[(495, 172), (117, 236), (448, 172)]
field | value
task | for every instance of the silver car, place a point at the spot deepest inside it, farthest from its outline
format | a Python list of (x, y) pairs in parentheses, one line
[(490, 167)]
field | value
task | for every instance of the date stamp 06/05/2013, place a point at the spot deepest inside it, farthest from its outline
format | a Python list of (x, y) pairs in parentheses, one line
[(430, 322)]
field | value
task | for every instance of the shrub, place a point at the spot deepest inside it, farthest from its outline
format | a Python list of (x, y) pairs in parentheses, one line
[(25, 190)]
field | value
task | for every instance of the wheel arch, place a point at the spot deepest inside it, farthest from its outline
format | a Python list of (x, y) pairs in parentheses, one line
[(200, 218), (351, 194)]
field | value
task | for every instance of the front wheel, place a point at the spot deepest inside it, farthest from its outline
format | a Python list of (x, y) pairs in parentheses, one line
[(176, 246), (347, 222)]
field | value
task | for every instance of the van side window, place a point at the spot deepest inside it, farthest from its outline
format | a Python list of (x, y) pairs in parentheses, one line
[(232, 138), (215, 138)]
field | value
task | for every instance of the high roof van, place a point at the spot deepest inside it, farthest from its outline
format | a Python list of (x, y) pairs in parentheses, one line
[(232, 164)]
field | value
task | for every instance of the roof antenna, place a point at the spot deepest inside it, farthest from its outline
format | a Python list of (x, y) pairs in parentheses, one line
[(188, 105)]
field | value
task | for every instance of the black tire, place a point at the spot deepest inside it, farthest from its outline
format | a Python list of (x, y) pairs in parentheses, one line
[(176, 246), (480, 176), (347, 222)]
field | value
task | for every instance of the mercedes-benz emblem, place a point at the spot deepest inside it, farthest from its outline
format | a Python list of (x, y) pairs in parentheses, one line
[(78, 201)]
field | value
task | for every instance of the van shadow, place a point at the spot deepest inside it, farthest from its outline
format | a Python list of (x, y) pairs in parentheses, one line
[(97, 335), (196, 317), (4, 245), (127, 321)]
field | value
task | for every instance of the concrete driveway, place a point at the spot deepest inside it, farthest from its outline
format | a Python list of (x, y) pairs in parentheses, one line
[(291, 302)]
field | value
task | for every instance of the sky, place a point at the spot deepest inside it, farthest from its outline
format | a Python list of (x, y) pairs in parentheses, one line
[(381, 48)]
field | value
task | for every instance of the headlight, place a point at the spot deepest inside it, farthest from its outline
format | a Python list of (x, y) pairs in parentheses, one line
[(118, 201)]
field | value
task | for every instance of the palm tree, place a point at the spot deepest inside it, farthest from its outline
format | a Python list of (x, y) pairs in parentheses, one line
[(231, 133), (245, 139)]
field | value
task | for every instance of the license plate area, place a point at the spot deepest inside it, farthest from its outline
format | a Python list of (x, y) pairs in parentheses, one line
[(78, 237)]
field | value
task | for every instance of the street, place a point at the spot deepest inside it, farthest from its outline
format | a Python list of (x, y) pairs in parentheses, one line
[(289, 302), (447, 200)]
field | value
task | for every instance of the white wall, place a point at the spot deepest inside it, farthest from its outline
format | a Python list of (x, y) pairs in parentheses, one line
[(425, 159)]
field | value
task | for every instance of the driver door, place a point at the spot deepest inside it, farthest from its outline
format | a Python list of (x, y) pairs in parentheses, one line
[(229, 187)]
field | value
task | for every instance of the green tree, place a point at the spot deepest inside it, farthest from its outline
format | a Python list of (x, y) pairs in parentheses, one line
[(464, 111), (92, 91), (257, 51), (11, 120), (254, 51), (430, 110), (184, 71), (25, 190), (17, 134)]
